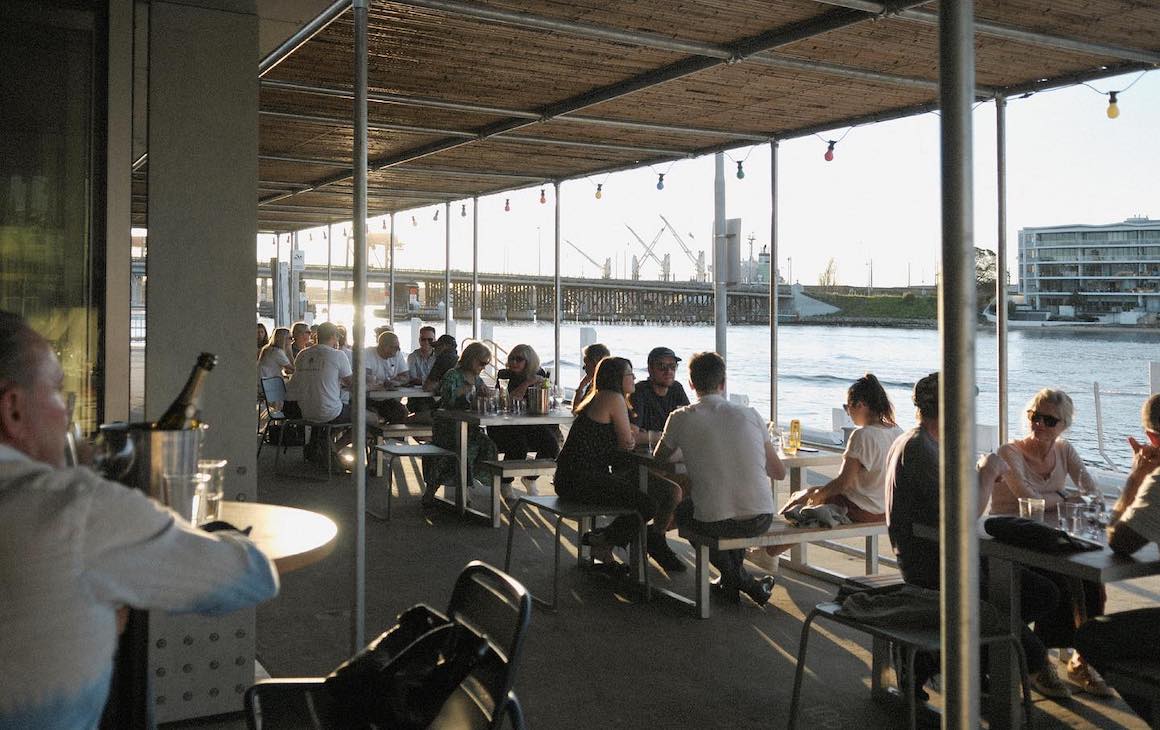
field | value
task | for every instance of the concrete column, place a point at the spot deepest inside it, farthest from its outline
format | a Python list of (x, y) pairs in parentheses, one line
[(203, 178)]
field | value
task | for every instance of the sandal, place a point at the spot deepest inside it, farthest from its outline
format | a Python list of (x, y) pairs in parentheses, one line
[(1088, 679), (599, 546)]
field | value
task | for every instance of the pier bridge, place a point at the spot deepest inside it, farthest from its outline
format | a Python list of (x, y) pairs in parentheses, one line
[(524, 297)]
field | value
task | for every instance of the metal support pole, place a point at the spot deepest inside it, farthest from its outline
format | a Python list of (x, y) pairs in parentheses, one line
[(1001, 260), (329, 250), (358, 404), (476, 299), (957, 313), (391, 278), (296, 312), (773, 303), (447, 267), (720, 273), (557, 293)]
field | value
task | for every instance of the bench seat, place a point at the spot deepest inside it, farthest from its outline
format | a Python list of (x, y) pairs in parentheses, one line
[(781, 533)]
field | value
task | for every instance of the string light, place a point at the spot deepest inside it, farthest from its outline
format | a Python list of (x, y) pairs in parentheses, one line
[(463, 210), (829, 156), (384, 224), (436, 216), (1113, 108), (507, 205), (740, 170), (661, 181), (543, 198), (414, 222), (599, 190)]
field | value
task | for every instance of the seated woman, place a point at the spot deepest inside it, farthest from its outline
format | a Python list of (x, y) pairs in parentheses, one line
[(514, 442), (274, 360), (263, 336), (584, 467), (861, 485), (459, 387), (1038, 465)]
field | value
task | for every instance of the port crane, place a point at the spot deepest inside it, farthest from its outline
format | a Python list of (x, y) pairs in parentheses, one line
[(605, 269), (665, 263), (697, 261)]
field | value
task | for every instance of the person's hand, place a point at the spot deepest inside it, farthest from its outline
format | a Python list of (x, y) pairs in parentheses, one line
[(122, 619), (801, 501), (1145, 457)]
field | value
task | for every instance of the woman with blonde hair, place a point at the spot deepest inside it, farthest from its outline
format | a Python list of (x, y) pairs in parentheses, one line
[(1039, 465), (273, 359), (515, 442)]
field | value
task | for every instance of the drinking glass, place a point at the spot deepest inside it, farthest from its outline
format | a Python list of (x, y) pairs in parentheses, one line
[(557, 395), (185, 495), (1032, 508), (1071, 517), (215, 488), (654, 438)]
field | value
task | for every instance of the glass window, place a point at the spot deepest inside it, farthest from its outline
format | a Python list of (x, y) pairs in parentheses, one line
[(51, 236)]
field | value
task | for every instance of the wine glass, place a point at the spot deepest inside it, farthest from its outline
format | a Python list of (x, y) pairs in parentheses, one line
[(557, 395)]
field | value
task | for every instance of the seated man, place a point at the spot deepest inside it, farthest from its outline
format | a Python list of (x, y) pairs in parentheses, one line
[(387, 368), (300, 335), (75, 549), (660, 394), (421, 359), (730, 459), (912, 497), (446, 356), (592, 355), (1131, 635), (320, 374)]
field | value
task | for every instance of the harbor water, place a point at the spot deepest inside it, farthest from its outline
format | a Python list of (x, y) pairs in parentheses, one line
[(817, 364)]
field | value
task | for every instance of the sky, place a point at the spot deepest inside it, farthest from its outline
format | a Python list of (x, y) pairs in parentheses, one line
[(877, 201)]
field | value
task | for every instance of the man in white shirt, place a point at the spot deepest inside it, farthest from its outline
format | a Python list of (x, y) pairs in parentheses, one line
[(419, 362), (75, 549), (1131, 636), (387, 368), (320, 374), (730, 460)]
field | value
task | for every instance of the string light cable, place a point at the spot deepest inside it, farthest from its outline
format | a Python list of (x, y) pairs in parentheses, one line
[(1113, 110), (832, 143)]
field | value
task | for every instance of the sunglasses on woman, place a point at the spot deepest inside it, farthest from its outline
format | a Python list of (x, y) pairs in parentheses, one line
[(516, 358), (1046, 420)]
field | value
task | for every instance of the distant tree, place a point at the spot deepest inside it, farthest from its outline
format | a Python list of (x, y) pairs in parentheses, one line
[(829, 277), (986, 264)]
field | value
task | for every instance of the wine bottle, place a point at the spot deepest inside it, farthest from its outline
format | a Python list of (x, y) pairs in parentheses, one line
[(184, 413)]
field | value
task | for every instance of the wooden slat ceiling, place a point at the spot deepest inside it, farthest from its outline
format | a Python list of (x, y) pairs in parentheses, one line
[(438, 55)]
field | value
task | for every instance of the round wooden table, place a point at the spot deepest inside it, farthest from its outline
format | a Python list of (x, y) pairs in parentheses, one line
[(293, 538)]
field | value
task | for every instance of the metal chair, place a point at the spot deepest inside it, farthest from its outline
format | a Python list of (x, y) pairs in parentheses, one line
[(487, 601), (274, 390)]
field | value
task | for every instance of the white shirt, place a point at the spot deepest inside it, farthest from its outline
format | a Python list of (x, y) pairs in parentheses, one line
[(869, 446), (272, 362), (724, 448), (73, 548), (392, 370), (1143, 515), (315, 384)]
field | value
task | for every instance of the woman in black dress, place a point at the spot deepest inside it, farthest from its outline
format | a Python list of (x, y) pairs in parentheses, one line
[(584, 469)]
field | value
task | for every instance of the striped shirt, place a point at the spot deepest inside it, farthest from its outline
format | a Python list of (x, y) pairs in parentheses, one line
[(75, 547)]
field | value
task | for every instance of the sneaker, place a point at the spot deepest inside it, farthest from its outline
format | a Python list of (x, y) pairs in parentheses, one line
[(1085, 676), (1047, 683)]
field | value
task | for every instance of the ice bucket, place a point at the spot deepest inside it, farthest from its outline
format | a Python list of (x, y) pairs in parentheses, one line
[(539, 401)]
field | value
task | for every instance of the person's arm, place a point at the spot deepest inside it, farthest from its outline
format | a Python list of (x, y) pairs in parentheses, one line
[(990, 469), (1079, 472), (840, 484), (1121, 537), (620, 424), (137, 553)]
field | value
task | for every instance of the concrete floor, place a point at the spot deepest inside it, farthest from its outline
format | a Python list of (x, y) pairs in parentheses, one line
[(603, 660)]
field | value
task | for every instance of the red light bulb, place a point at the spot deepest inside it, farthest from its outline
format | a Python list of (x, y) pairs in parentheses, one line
[(829, 156), (543, 198), (507, 205)]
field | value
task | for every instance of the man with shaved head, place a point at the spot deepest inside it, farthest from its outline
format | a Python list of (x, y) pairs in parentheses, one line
[(386, 367), (75, 549)]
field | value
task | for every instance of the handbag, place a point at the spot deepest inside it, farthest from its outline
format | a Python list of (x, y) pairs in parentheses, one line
[(1022, 532), (403, 678)]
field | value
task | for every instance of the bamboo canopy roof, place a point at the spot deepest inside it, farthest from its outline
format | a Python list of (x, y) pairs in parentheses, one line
[(475, 97)]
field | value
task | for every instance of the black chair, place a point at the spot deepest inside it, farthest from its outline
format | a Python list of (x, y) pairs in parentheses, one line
[(484, 599), (274, 390)]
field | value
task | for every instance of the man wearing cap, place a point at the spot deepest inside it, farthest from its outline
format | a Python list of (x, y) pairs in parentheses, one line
[(659, 395)]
